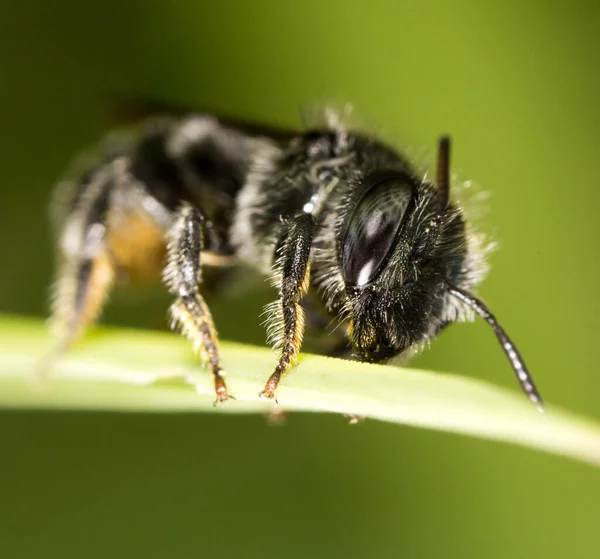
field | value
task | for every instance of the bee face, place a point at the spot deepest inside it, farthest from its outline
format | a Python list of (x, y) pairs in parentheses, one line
[(397, 253)]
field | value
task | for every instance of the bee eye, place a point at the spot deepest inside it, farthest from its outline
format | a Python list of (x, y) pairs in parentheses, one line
[(372, 229)]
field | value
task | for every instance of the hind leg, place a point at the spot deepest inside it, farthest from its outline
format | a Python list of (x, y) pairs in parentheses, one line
[(86, 271), (105, 236)]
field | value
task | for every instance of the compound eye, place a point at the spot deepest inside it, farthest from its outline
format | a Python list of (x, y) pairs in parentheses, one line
[(372, 230)]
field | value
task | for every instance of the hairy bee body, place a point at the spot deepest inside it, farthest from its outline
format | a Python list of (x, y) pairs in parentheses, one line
[(328, 209)]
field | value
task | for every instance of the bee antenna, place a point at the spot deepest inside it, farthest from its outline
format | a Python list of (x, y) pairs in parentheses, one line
[(443, 172), (508, 346)]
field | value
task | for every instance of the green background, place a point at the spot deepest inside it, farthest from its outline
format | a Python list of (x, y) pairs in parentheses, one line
[(517, 87)]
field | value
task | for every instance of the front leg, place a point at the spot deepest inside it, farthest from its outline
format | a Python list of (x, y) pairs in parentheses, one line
[(183, 277), (292, 270)]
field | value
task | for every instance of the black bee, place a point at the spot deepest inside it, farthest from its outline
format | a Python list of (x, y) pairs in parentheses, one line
[(386, 252)]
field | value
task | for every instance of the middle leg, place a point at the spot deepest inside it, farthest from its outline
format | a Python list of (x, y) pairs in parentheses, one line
[(183, 277)]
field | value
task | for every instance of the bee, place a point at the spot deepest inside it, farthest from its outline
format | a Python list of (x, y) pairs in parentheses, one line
[(329, 210)]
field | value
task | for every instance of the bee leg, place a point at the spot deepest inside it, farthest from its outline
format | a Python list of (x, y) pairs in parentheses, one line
[(287, 316), (86, 273), (183, 277)]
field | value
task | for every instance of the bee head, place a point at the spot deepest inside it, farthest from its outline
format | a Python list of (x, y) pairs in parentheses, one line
[(400, 245), (403, 254)]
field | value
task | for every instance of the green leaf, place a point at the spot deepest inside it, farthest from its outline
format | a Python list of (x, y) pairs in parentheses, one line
[(124, 370)]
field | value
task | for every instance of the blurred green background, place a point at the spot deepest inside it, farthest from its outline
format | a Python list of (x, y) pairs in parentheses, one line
[(517, 87)]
